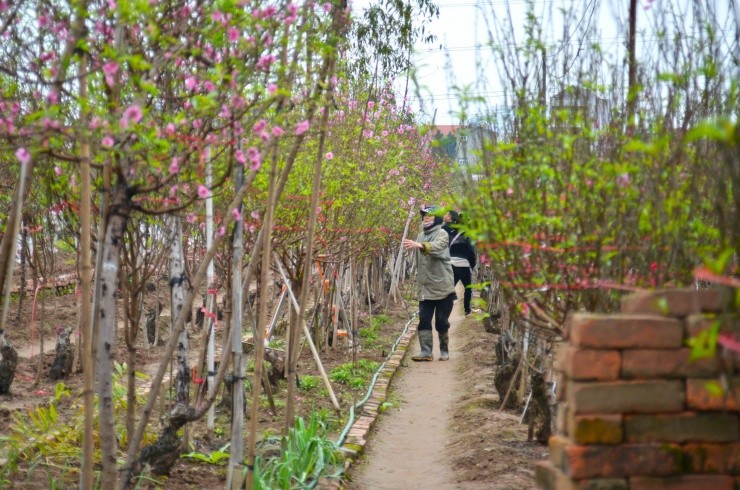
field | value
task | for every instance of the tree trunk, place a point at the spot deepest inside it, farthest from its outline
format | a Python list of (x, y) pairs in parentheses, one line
[(234, 475), (85, 325), (118, 217)]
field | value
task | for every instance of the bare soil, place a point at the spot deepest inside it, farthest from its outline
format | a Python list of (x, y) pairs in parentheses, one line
[(457, 431)]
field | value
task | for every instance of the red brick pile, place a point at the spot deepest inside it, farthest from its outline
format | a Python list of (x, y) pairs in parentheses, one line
[(634, 411)]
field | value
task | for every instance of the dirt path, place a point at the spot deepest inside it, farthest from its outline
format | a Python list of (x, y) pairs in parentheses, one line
[(407, 449), (445, 430)]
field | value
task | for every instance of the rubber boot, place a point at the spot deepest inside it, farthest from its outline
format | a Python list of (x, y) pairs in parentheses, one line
[(444, 339), (426, 341)]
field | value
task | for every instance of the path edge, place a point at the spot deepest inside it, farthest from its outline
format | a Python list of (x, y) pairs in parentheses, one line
[(354, 444)]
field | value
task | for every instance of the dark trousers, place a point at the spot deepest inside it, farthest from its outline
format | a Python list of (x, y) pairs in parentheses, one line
[(463, 274), (440, 309)]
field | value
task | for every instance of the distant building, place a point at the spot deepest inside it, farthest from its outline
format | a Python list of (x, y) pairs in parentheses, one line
[(445, 142), (584, 102), (471, 143)]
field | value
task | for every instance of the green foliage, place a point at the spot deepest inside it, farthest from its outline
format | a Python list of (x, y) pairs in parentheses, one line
[(355, 375), (309, 382), (218, 457), (307, 455), (40, 437)]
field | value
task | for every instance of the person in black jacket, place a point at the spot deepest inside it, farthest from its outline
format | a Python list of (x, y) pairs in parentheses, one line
[(462, 254)]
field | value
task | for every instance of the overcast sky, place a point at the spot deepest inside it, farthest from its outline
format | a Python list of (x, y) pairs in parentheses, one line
[(460, 56)]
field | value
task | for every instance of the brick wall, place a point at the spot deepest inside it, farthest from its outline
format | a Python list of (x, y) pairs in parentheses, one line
[(634, 411)]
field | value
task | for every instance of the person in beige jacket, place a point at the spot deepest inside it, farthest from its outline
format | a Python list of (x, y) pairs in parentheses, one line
[(434, 281)]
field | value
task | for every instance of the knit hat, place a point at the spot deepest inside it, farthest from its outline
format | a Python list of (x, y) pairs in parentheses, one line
[(435, 211)]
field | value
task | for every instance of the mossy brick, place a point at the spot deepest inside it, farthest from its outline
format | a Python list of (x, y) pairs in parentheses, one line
[(561, 419), (701, 396), (715, 458), (653, 396), (548, 477), (581, 462), (595, 429), (586, 330), (682, 427), (677, 303), (588, 364), (660, 363), (683, 482), (695, 324)]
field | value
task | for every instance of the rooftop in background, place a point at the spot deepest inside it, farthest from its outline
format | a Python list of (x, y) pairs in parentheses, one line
[(446, 129)]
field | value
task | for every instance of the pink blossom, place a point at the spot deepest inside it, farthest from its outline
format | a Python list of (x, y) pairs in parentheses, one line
[(23, 155), (255, 214), (329, 155), (256, 161), (411, 201), (112, 5), (190, 83), (58, 171), (327, 7), (221, 230), (53, 97), (265, 61), (107, 141), (191, 218), (174, 166), (225, 112), (173, 190), (623, 179), (203, 191), (264, 136), (259, 126), (385, 133), (302, 127), (170, 129), (370, 104), (272, 88), (277, 131), (233, 34), (217, 16), (209, 86), (509, 191), (239, 155), (133, 113), (237, 214)]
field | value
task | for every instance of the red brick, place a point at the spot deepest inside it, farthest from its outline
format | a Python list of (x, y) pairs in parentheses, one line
[(682, 427), (695, 324), (548, 477), (677, 302), (711, 458), (683, 482), (588, 364), (655, 363), (595, 429), (624, 331), (655, 396), (698, 397), (624, 460), (561, 419)]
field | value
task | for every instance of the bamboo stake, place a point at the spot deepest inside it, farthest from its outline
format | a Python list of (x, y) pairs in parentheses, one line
[(397, 263), (315, 353)]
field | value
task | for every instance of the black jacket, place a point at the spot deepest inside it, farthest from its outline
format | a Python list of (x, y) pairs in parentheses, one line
[(462, 246)]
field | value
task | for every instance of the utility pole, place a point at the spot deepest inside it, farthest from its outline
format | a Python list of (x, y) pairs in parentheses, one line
[(632, 68)]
